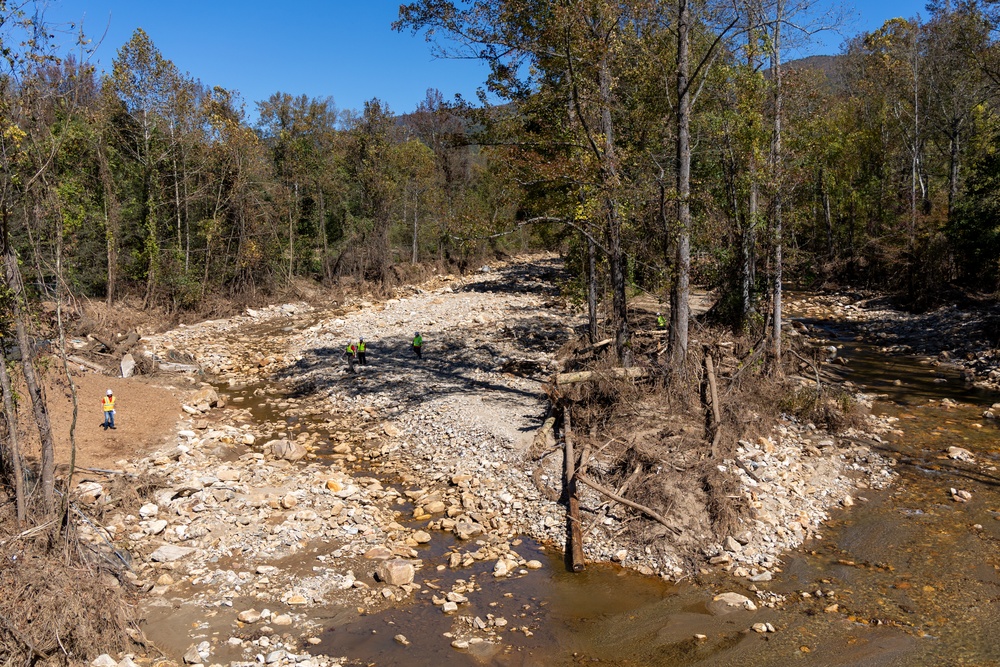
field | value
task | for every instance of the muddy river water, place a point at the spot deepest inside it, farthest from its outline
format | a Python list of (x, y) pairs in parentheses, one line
[(908, 575)]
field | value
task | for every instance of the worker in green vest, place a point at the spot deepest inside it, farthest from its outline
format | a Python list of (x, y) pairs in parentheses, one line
[(362, 348), (661, 321), (351, 354), (418, 343)]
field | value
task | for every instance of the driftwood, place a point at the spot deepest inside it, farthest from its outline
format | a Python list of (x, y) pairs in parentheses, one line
[(172, 367), (544, 437), (631, 478), (102, 471), (716, 426), (86, 364), (587, 376), (597, 346), (628, 503), (574, 532)]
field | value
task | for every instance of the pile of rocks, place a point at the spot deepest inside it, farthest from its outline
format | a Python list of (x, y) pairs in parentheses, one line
[(792, 479)]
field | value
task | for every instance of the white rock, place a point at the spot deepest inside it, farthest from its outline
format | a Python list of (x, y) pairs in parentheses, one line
[(169, 553)]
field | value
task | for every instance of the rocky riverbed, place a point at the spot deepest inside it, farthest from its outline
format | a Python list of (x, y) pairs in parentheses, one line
[(297, 491)]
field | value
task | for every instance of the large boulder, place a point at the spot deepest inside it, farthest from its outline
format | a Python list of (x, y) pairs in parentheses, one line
[(206, 399), (396, 572), (286, 449), (726, 603), (128, 366)]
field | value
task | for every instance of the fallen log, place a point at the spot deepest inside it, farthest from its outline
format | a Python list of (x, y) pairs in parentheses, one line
[(628, 503), (716, 427), (86, 364), (544, 437), (597, 346), (574, 533), (173, 367), (587, 376)]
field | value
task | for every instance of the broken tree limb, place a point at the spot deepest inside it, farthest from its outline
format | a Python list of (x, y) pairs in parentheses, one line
[(86, 364), (628, 503), (574, 532), (597, 346), (631, 478), (587, 376), (544, 439), (714, 394)]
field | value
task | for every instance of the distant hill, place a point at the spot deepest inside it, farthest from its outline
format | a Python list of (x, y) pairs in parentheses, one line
[(828, 65)]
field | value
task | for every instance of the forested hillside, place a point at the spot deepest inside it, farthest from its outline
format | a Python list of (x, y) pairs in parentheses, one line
[(632, 125)]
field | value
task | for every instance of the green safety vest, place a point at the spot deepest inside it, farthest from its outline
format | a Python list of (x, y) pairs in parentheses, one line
[(418, 341), (361, 347), (350, 348), (661, 321)]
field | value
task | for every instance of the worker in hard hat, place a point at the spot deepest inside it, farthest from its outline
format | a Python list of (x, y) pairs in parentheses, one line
[(108, 403)]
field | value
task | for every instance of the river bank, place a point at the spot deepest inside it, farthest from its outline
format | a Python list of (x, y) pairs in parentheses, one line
[(299, 497)]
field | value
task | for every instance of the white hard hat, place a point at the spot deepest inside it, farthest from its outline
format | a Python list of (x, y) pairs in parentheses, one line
[(110, 392)]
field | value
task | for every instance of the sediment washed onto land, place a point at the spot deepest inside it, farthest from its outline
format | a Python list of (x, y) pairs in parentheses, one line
[(311, 515)]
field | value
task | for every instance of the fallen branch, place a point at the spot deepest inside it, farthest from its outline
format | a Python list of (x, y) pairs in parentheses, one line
[(716, 426), (40, 528), (544, 437), (587, 376), (83, 362), (597, 346), (631, 478), (102, 471), (574, 532), (628, 503)]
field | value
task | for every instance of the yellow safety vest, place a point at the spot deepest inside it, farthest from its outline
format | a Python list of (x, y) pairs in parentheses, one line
[(109, 403), (361, 347), (418, 341)]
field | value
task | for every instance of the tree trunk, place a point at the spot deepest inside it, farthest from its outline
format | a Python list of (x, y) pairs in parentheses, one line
[(110, 221), (953, 154), (777, 158), (616, 258), (680, 308), (592, 290), (13, 448), (827, 215), (416, 228), (748, 242), (291, 233), (35, 393), (322, 231)]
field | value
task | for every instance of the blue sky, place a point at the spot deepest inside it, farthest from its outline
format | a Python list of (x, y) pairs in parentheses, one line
[(339, 48)]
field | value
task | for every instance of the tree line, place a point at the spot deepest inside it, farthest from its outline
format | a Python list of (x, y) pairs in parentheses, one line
[(655, 143)]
